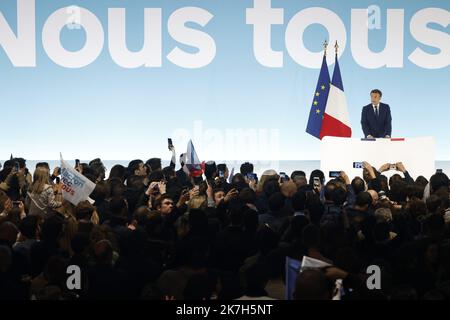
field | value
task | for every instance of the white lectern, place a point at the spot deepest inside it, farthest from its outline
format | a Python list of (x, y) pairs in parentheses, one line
[(417, 154)]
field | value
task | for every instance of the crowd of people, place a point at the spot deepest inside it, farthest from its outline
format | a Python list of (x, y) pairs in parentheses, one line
[(156, 233)]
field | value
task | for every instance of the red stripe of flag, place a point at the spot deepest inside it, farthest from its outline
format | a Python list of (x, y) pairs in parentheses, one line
[(334, 128)]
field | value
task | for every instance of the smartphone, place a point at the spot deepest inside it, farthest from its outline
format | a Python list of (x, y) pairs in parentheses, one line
[(317, 182), (77, 163), (16, 166), (58, 180), (335, 174), (252, 176), (170, 143), (284, 177), (393, 167), (439, 171), (221, 174), (59, 171), (358, 165)]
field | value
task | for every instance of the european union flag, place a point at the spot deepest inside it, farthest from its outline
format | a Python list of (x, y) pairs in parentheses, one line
[(320, 101)]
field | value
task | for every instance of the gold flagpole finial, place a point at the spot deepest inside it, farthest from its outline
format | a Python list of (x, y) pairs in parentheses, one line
[(325, 46), (336, 47)]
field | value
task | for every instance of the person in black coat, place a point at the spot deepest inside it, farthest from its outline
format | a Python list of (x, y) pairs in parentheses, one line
[(376, 119)]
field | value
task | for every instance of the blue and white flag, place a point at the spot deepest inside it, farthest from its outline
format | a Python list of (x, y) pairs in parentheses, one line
[(75, 187)]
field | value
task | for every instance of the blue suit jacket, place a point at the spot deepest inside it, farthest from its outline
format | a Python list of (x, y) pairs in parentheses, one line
[(377, 127)]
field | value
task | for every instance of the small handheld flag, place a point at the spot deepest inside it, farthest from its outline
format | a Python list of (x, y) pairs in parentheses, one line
[(193, 166), (75, 186)]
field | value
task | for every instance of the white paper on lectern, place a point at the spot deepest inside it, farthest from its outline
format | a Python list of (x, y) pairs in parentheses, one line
[(417, 154)]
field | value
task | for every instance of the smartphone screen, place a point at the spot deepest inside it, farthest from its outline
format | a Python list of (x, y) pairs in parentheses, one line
[(358, 165), (221, 174), (170, 143), (439, 171), (335, 174)]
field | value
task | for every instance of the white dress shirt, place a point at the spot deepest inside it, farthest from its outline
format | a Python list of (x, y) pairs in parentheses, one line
[(374, 110)]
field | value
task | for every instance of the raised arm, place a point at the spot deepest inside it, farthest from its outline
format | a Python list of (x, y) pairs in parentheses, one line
[(173, 160)]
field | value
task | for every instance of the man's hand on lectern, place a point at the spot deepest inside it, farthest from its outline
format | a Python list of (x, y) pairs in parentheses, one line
[(369, 137), (387, 137), (401, 167)]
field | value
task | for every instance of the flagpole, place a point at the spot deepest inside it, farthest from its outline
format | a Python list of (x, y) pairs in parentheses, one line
[(336, 47), (325, 46)]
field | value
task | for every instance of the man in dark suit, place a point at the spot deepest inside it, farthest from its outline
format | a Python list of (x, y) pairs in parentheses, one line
[(376, 117)]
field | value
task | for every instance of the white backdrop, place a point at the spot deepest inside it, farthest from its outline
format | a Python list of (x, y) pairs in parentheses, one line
[(417, 154)]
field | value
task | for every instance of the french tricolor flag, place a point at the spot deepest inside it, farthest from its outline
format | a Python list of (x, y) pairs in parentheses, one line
[(336, 121), (193, 167)]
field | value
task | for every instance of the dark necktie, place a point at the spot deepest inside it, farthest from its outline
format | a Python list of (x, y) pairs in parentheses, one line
[(376, 111)]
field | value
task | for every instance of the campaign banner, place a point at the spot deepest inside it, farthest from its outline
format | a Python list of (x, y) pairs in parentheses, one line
[(75, 186)]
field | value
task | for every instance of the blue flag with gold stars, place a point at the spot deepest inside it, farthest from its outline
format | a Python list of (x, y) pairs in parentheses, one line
[(320, 101)]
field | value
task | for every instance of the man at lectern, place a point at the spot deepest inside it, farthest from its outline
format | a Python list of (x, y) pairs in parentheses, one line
[(376, 117)]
